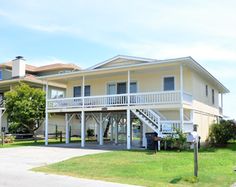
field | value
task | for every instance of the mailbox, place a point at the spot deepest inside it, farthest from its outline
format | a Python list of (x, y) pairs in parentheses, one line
[(192, 137)]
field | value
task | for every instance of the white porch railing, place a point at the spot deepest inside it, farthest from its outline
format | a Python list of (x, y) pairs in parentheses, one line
[(171, 126), (188, 98), (149, 98)]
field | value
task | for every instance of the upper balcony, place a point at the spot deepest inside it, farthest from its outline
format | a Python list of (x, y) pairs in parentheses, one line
[(121, 100)]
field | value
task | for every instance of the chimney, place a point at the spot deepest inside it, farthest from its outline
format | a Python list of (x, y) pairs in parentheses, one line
[(18, 67)]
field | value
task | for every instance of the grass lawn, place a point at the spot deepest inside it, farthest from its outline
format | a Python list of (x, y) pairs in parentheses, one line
[(166, 168), (18, 143)]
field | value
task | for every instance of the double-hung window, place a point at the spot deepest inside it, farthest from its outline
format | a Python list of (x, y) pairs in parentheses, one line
[(169, 83), (78, 92)]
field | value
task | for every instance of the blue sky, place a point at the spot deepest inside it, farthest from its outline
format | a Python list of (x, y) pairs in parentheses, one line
[(90, 31)]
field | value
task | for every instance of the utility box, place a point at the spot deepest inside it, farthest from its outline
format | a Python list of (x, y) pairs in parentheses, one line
[(192, 137)]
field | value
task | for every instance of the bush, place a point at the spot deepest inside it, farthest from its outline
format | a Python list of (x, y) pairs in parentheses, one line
[(177, 140), (8, 138), (221, 133)]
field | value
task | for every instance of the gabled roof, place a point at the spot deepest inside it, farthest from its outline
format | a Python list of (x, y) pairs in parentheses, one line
[(121, 60), (50, 67), (145, 63)]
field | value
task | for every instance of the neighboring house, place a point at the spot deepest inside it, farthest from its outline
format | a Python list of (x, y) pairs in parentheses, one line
[(163, 94), (16, 71)]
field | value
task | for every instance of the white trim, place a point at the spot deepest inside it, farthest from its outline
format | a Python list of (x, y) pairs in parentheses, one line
[(122, 57)]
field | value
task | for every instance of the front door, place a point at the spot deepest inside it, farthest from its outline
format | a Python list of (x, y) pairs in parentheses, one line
[(121, 88)]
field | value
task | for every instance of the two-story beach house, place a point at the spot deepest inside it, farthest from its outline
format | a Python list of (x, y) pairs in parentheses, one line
[(125, 94)]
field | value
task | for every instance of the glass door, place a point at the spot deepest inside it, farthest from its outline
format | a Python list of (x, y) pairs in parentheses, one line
[(121, 88)]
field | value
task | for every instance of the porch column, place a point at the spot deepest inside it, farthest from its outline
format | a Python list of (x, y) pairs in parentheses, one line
[(128, 130), (101, 129), (116, 131), (82, 129), (222, 103), (83, 82), (144, 140), (128, 88), (181, 98), (98, 132), (46, 116), (67, 127), (112, 120)]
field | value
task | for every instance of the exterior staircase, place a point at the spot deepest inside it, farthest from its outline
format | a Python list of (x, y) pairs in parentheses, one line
[(149, 117)]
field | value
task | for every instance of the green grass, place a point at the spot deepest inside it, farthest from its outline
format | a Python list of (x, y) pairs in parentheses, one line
[(166, 168), (19, 143)]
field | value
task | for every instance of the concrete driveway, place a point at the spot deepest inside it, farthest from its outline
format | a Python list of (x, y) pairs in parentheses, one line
[(15, 165)]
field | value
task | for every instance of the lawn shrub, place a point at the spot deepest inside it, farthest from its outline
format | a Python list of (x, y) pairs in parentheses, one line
[(8, 138), (221, 133), (177, 140)]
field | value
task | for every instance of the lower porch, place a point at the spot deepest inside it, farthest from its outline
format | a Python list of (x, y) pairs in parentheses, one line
[(115, 129)]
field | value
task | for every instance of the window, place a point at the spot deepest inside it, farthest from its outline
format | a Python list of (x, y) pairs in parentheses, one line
[(121, 88), (87, 90), (78, 91), (55, 94), (206, 90), (169, 83), (133, 87), (213, 96), (111, 89), (0, 74)]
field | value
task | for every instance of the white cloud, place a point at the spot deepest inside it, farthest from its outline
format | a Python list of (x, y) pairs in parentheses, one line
[(204, 30), (46, 61)]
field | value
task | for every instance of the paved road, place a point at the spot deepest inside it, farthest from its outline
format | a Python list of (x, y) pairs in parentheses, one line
[(15, 165)]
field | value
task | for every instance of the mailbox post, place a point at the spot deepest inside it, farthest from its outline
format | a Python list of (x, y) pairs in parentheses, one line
[(193, 139)]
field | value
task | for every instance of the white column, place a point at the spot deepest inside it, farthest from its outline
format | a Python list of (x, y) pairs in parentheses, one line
[(67, 128), (128, 88), (181, 98), (112, 123), (222, 103), (101, 129), (82, 129), (128, 130), (46, 116), (98, 132), (144, 140), (116, 132), (83, 82)]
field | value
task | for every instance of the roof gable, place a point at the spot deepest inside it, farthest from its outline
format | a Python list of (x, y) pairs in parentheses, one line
[(121, 60)]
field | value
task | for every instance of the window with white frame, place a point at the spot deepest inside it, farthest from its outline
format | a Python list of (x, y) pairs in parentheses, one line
[(169, 83), (56, 94), (77, 92), (121, 87)]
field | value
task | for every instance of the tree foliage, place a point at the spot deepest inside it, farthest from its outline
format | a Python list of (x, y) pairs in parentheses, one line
[(221, 133), (25, 107)]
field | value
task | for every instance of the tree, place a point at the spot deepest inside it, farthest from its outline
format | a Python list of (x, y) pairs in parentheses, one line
[(25, 108), (221, 133)]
